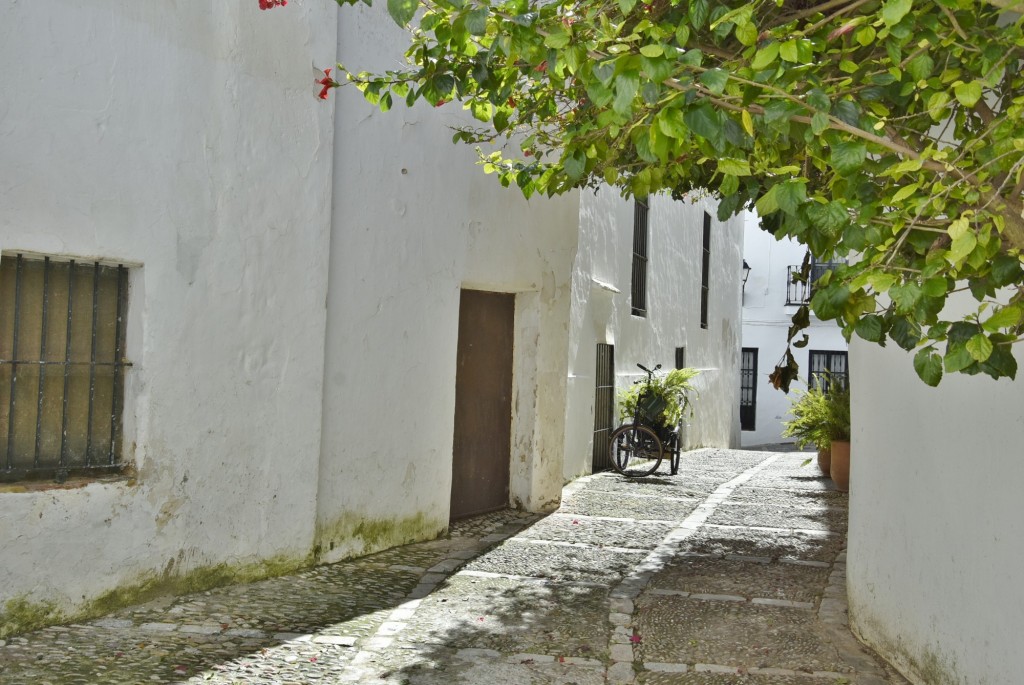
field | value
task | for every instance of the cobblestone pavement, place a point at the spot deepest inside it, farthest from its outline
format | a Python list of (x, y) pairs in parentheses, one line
[(731, 571)]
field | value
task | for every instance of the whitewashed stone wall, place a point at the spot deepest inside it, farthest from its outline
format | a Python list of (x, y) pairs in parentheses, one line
[(183, 140), (935, 535)]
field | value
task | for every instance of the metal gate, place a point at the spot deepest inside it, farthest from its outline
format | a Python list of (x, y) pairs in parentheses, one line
[(604, 406), (481, 454)]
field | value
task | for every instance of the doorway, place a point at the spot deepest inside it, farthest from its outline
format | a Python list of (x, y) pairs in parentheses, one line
[(481, 450)]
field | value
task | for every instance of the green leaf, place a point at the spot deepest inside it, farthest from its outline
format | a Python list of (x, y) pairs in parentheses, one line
[(1006, 270), (962, 246), (626, 86), (765, 56), (729, 185), (935, 287), (715, 80), (905, 296), (736, 167), (671, 123), (819, 123), (870, 328), (652, 50), (980, 347), (848, 157), (957, 358), (699, 10), (1007, 317), (928, 365), (768, 203), (894, 10), (746, 34), (791, 195), (706, 122), (905, 192), (476, 22), (905, 333), (788, 51), (557, 39), (575, 165), (402, 11), (968, 94)]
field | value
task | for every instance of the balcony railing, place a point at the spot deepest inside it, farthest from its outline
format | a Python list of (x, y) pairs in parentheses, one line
[(798, 292)]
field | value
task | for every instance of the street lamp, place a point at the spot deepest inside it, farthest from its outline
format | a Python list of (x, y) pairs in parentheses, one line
[(746, 273)]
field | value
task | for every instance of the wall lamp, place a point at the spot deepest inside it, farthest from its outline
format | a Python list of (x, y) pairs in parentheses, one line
[(746, 272)]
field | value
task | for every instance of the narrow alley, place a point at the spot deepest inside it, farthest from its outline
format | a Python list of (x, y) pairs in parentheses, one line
[(731, 571)]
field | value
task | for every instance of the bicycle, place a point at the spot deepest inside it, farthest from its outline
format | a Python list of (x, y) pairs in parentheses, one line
[(638, 448)]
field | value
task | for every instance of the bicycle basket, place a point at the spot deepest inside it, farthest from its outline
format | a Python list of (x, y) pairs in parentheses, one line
[(650, 407)]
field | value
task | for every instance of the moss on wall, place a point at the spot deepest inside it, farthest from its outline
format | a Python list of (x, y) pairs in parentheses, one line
[(20, 614), (351, 535), (919, 666)]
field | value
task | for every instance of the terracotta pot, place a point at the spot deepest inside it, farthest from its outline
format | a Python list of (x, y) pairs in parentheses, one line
[(840, 469), (825, 460)]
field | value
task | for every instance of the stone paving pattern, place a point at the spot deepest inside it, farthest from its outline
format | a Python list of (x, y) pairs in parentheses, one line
[(732, 571)]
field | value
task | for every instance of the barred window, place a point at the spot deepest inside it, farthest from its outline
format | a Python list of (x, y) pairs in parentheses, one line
[(62, 335), (705, 270), (638, 291)]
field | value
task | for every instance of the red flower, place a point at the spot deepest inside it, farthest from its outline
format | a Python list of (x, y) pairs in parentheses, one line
[(270, 4), (327, 82), (543, 66)]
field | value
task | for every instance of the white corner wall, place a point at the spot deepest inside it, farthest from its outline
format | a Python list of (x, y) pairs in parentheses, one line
[(184, 140), (936, 532), (602, 313), (415, 221), (766, 322)]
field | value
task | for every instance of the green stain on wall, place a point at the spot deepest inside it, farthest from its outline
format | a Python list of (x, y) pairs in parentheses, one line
[(922, 665), (355, 535), (358, 535), (20, 615)]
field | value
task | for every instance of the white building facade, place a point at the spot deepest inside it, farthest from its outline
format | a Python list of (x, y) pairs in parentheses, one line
[(770, 298), (296, 307)]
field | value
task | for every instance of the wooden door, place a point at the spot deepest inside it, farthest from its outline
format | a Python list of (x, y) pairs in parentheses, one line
[(483, 404)]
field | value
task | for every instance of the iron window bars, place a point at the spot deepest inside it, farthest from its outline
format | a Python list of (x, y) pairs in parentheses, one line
[(639, 280), (799, 292), (62, 349)]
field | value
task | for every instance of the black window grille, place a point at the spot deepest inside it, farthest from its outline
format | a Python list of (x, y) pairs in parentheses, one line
[(828, 367), (62, 337), (705, 271), (799, 292), (748, 388), (639, 280), (604, 406), (680, 357)]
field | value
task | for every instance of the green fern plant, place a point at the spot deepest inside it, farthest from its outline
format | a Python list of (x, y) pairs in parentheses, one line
[(670, 394)]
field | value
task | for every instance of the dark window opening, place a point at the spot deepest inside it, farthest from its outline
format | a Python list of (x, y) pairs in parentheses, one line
[(680, 357), (639, 280), (828, 367), (705, 271), (62, 349), (799, 292), (748, 388)]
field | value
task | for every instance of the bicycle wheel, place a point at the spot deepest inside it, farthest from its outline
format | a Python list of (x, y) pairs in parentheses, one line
[(635, 451)]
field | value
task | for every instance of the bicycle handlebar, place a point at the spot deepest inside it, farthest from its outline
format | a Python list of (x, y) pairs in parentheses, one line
[(649, 372)]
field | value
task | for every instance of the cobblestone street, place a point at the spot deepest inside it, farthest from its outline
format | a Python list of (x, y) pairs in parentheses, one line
[(731, 571)]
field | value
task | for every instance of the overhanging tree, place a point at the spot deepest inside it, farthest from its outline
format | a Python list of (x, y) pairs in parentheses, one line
[(890, 134)]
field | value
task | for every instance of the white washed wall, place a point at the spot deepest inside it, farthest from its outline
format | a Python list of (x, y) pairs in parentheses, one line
[(936, 532), (416, 220), (184, 140), (766, 322), (601, 313)]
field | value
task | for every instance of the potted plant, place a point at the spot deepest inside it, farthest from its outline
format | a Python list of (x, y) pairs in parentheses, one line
[(811, 424), (838, 397), (821, 417), (667, 398)]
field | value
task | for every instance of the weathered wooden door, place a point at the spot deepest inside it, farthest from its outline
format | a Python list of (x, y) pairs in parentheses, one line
[(483, 404)]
